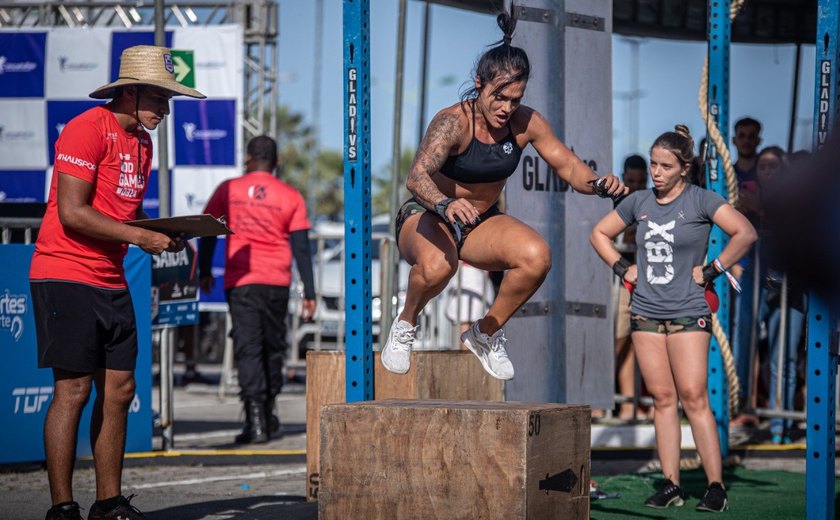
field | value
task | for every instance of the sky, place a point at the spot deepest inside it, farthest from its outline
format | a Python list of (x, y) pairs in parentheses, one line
[(669, 77)]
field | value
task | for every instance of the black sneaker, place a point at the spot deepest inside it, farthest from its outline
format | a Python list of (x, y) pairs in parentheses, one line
[(65, 511), (123, 511), (669, 495), (714, 500)]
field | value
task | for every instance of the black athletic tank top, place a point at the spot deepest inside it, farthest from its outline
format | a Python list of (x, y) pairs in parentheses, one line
[(482, 162)]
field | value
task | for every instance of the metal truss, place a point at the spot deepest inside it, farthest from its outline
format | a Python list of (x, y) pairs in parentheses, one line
[(257, 17)]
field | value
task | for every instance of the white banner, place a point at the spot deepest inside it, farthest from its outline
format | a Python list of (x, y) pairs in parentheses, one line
[(23, 137), (47, 181), (192, 187), (77, 62), (218, 58)]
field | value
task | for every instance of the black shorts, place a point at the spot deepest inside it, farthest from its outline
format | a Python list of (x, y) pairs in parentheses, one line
[(82, 328), (412, 207)]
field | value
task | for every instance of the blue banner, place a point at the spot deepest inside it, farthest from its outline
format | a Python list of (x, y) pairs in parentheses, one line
[(22, 64), (22, 186), (120, 41), (59, 113), (151, 202), (27, 390), (218, 271), (205, 132)]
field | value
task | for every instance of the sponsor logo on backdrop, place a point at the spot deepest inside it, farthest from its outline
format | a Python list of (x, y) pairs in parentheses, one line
[(211, 64), (68, 65), (4, 197), (31, 399), (7, 66), (195, 202), (12, 309), (15, 135), (193, 133)]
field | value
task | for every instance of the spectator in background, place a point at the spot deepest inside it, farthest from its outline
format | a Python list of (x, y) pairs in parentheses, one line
[(746, 139), (797, 157), (268, 218), (84, 318), (635, 177), (769, 174), (697, 172)]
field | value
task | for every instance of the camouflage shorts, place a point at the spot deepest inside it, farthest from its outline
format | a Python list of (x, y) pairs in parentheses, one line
[(658, 326), (412, 207)]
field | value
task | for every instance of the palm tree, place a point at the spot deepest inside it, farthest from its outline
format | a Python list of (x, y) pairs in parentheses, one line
[(296, 141)]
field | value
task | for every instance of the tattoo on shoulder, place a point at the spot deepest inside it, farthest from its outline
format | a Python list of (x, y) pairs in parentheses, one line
[(443, 133)]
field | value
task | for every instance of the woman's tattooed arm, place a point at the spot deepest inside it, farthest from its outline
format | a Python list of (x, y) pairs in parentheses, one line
[(443, 134)]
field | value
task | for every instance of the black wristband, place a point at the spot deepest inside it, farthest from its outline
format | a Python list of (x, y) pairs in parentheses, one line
[(621, 266), (710, 272), (598, 187), (440, 207)]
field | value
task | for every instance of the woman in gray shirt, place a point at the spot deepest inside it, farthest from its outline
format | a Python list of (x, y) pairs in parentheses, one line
[(671, 320)]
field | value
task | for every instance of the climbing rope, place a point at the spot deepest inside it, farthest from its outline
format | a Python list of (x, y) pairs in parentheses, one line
[(732, 188)]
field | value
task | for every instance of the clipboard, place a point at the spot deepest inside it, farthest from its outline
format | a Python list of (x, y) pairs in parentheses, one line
[(187, 226)]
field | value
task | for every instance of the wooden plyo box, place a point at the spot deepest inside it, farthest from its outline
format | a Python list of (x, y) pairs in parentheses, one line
[(398, 459), (438, 374)]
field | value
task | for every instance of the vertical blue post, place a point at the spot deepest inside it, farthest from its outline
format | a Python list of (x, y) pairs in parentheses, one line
[(822, 362), (718, 95), (357, 235)]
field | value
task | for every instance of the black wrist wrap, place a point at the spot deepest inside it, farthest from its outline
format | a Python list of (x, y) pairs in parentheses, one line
[(620, 267), (710, 273), (440, 207)]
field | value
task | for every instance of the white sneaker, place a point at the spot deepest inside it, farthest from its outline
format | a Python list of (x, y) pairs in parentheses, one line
[(396, 355), (490, 351)]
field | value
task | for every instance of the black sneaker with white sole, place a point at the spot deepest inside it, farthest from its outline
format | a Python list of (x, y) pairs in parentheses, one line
[(715, 499), (669, 494)]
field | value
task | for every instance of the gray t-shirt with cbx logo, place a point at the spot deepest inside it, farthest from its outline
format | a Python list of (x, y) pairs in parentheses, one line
[(671, 239)]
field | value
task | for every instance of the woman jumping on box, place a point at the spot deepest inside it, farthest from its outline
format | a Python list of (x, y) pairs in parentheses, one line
[(469, 151)]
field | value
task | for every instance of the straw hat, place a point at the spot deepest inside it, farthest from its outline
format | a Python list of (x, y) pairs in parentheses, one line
[(146, 65)]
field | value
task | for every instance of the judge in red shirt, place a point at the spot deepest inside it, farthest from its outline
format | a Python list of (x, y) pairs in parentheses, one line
[(84, 317), (268, 218)]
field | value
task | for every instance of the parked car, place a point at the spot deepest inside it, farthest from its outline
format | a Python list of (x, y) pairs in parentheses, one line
[(327, 329)]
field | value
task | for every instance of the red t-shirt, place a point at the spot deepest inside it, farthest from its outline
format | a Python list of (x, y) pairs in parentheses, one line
[(95, 148), (262, 211)]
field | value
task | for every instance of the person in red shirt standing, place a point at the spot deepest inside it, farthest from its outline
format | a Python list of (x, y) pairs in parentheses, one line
[(268, 218), (84, 318)]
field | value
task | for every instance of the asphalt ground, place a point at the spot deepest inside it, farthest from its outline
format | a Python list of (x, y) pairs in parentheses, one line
[(206, 476)]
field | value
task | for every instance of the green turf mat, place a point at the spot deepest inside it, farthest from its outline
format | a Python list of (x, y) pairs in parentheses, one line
[(760, 495)]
